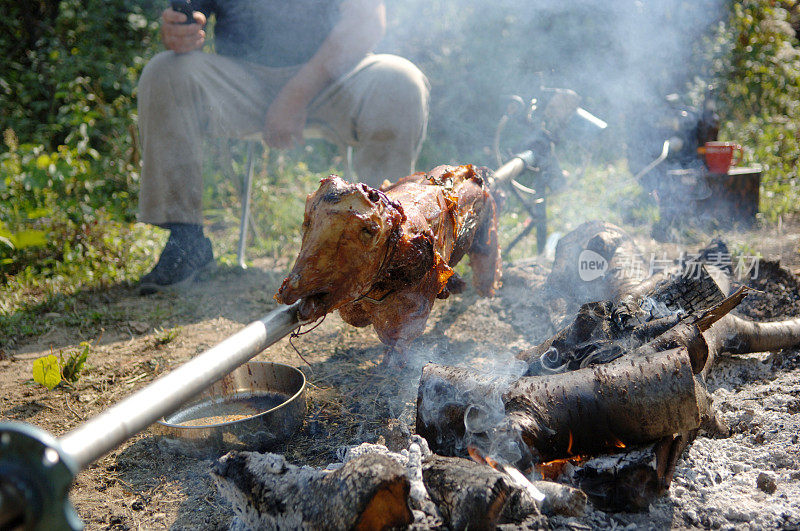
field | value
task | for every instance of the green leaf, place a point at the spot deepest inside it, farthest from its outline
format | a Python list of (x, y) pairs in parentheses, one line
[(46, 371)]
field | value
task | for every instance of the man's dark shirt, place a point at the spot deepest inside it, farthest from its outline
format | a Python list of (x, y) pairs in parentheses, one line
[(270, 32)]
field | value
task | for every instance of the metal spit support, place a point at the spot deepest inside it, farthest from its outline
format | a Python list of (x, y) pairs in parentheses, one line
[(513, 168), (36, 469)]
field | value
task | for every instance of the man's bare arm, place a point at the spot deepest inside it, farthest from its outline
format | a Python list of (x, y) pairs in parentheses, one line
[(179, 36), (361, 26)]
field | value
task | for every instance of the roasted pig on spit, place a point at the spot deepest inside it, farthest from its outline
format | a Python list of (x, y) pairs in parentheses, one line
[(381, 257)]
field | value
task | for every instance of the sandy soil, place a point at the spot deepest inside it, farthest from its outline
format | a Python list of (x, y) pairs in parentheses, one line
[(148, 483)]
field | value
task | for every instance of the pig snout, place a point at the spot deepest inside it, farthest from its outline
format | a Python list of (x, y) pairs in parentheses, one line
[(315, 297), (289, 291)]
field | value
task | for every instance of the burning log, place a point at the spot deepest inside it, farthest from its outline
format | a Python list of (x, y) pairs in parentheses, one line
[(632, 400), (552, 498), (627, 372), (629, 481), (647, 394), (369, 492)]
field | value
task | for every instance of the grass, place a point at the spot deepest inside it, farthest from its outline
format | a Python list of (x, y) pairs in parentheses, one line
[(606, 192), (65, 292)]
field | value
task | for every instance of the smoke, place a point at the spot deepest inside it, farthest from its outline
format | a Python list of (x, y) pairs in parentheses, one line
[(477, 402), (622, 57)]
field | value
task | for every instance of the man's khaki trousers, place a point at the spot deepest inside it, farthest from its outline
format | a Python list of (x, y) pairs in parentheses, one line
[(380, 108)]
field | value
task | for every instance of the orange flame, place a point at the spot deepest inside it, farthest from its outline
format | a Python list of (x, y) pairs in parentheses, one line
[(478, 457), (475, 454), (617, 443), (492, 463), (552, 469), (569, 446)]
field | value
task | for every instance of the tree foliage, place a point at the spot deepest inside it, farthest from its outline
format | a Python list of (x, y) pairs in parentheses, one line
[(756, 57)]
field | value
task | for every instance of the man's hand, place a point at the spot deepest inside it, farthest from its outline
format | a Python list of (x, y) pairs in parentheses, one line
[(179, 36), (286, 119)]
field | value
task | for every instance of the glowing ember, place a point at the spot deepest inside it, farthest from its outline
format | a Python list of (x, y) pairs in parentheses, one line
[(475, 454), (552, 469)]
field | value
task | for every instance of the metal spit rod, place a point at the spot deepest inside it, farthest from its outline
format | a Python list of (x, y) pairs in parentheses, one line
[(38, 468), (513, 167), (109, 429)]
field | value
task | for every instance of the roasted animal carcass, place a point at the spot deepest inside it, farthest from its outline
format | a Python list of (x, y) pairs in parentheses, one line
[(382, 257)]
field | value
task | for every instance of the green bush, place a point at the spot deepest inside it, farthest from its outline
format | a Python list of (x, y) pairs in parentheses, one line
[(69, 162), (67, 63), (757, 59)]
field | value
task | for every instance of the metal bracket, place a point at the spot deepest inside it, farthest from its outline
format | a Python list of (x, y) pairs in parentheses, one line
[(35, 477)]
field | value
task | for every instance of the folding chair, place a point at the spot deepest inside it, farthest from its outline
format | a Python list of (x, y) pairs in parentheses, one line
[(247, 185)]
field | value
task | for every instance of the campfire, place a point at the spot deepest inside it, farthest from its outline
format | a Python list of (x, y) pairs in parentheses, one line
[(599, 412)]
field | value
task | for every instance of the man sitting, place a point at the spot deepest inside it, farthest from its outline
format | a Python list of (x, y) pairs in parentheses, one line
[(281, 68)]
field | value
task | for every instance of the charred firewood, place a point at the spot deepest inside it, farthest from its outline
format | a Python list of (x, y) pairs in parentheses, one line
[(615, 254), (475, 496), (709, 333), (667, 305), (632, 400), (369, 492), (630, 480), (677, 311), (561, 499), (603, 331)]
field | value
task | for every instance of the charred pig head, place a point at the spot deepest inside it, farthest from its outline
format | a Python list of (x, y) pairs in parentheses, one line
[(348, 231)]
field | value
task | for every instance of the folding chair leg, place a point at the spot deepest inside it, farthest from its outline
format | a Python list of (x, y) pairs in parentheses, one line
[(349, 162), (247, 185)]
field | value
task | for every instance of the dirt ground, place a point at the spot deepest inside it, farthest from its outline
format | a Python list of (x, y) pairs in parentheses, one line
[(149, 483)]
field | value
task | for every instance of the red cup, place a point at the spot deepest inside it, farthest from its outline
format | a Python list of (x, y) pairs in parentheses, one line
[(720, 156)]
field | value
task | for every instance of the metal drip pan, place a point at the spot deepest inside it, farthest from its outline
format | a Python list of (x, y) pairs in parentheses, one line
[(254, 407)]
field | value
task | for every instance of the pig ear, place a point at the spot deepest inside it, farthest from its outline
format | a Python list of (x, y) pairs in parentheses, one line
[(377, 197), (370, 193)]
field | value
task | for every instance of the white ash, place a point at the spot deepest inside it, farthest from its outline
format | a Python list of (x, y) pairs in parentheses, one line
[(717, 481)]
